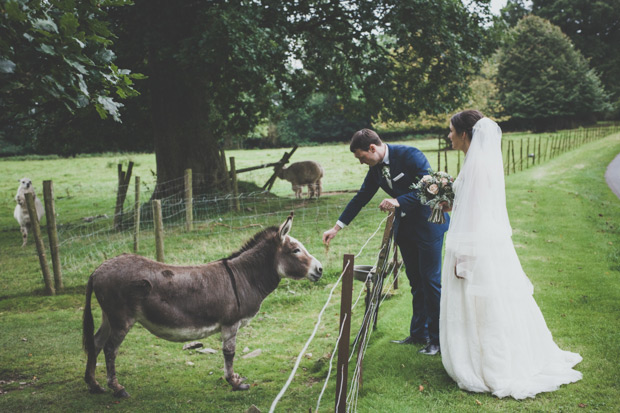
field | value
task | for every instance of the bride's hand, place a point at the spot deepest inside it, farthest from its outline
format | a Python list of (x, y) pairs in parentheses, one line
[(445, 206)]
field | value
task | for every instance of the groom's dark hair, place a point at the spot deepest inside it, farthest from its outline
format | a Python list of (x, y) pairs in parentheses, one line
[(362, 139), (464, 121)]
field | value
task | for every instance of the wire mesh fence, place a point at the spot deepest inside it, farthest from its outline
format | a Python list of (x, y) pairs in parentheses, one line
[(88, 235)]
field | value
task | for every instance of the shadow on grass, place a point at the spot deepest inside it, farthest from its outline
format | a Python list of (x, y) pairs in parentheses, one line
[(37, 300)]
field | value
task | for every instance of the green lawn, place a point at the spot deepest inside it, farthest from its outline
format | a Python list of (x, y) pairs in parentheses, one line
[(565, 223)]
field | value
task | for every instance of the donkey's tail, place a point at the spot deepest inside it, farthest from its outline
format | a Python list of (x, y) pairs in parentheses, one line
[(88, 327)]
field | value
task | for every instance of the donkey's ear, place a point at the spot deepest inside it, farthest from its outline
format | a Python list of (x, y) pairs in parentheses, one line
[(285, 228)]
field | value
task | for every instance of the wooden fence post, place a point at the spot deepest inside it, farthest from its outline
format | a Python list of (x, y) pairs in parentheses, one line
[(345, 333), (514, 163), (527, 153), (521, 155), (189, 200), (159, 230), (233, 174), (507, 162), (121, 194), (52, 232), (439, 154), (36, 229), (136, 216)]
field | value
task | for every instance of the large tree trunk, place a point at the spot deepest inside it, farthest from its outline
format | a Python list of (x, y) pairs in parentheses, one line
[(180, 109)]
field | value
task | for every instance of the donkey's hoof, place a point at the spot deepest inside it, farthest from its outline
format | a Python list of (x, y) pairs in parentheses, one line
[(96, 389), (242, 386), (121, 394)]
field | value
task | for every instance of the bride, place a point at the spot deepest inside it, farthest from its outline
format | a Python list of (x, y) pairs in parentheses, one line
[(493, 336)]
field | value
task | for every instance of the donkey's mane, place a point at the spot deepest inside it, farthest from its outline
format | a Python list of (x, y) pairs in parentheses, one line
[(255, 240)]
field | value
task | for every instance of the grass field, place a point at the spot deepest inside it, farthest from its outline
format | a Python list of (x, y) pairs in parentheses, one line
[(565, 223)]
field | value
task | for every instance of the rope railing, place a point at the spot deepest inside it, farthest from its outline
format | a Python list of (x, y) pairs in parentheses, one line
[(303, 350)]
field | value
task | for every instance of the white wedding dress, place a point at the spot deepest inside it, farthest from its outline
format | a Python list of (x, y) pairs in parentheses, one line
[(493, 336)]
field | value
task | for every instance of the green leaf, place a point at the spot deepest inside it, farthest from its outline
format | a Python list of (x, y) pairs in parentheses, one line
[(110, 106), (80, 68), (69, 24), (7, 66), (46, 48), (46, 24)]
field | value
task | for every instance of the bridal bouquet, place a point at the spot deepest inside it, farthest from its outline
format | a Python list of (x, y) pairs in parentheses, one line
[(432, 190)]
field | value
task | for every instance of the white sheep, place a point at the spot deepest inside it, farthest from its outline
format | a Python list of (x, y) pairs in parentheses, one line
[(304, 173), (21, 210)]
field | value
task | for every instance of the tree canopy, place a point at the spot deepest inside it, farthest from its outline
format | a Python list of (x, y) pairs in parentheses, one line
[(216, 69), (542, 78), (56, 56), (594, 28)]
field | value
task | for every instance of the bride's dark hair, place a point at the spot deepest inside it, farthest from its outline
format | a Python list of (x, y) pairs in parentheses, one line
[(464, 121)]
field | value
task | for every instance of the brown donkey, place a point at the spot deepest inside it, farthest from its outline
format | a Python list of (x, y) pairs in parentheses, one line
[(183, 303)]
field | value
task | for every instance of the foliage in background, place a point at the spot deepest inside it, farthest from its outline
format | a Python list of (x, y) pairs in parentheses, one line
[(544, 82), (55, 59), (593, 28), (322, 119), (216, 70)]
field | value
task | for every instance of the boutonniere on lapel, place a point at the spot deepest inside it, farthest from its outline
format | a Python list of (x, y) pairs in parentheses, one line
[(385, 171)]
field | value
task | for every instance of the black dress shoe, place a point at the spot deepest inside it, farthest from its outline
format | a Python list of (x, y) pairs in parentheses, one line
[(430, 350), (411, 340)]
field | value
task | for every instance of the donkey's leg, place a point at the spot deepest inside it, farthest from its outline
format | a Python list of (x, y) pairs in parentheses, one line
[(229, 340), (110, 349), (100, 338)]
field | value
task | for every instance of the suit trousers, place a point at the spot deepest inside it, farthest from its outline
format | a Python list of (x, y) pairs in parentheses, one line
[(423, 267)]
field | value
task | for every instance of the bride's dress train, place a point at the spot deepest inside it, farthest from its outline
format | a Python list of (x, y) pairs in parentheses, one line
[(493, 336), (498, 342)]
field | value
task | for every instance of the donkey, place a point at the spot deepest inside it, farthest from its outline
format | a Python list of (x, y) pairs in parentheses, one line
[(183, 303)]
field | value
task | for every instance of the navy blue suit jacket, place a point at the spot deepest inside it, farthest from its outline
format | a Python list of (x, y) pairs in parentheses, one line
[(407, 165)]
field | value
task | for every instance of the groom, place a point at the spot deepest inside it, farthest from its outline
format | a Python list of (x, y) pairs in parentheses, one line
[(394, 168)]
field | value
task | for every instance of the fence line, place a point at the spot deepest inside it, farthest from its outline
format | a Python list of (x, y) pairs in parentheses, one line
[(288, 382)]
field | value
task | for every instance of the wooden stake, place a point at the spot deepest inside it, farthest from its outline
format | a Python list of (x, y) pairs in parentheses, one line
[(521, 155), (52, 232), (121, 194), (136, 216), (159, 230), (233, 175), (189, 198), (345, 333), (439, 154), (38, 239), (514, 163)]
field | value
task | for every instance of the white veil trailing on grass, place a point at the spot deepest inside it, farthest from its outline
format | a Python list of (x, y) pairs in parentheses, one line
[(493, 336)]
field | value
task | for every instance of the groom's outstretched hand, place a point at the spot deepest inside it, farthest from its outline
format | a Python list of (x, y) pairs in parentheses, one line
[(329, 234), (389, 204)]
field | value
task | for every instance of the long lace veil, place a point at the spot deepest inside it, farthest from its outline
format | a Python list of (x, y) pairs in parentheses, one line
[(479, 215)]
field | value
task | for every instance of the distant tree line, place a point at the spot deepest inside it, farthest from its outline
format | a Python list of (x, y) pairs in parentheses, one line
[(190, 79)]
